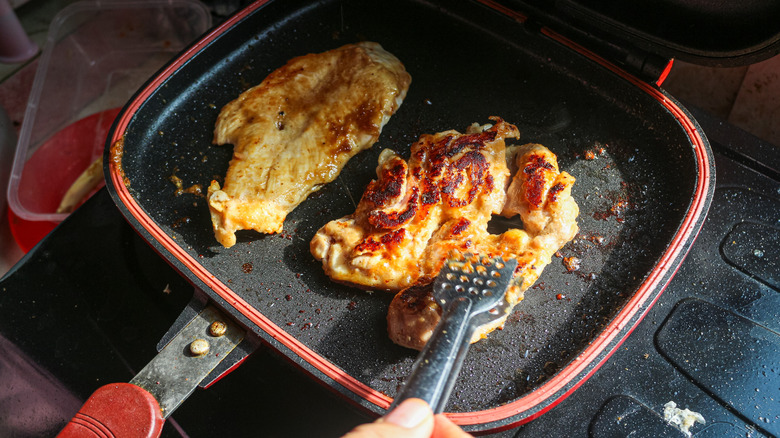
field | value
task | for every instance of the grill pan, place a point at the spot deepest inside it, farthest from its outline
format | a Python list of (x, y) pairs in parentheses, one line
[(644, 174)]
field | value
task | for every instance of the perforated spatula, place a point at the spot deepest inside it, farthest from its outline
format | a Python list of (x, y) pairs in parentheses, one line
[(471, 291)]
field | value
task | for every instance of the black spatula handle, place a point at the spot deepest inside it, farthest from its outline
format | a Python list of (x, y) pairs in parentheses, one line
[(437, 367)]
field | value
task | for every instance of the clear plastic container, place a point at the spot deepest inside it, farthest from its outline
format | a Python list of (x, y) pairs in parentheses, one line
[(96, 56)]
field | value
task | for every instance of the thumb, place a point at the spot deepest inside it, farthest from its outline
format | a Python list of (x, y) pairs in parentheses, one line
[(412, 418), (410, 413)]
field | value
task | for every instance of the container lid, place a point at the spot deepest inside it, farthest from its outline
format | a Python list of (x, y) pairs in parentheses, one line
[(722, 33)]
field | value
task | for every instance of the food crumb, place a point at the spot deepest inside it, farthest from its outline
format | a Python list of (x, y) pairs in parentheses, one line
[(571, 263), (592, 154), (681, 419), (195, 189), (596, 238)]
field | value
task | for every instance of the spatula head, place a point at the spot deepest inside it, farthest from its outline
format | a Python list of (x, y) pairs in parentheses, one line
[(480, 279)]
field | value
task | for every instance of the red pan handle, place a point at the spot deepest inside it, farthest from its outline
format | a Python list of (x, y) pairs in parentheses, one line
[(117, 410)]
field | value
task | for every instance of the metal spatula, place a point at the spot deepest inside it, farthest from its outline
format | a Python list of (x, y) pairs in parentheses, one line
[(471, 291)]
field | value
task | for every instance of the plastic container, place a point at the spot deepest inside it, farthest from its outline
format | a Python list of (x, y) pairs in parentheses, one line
[(96, 56), (15, 45)]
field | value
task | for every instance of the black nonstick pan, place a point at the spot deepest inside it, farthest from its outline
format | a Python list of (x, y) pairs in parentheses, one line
[(644, 182)]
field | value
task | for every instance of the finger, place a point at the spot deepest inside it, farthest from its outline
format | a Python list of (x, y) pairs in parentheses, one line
[(413, 418), (445, 428)]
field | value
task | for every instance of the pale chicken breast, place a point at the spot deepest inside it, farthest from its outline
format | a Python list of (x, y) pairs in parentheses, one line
[(295, 131), (416, 213)]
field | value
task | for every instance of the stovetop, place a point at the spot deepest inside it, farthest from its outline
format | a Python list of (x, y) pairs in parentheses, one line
[(88, 305)]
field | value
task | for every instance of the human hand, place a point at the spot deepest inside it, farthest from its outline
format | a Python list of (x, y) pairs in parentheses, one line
[(413, 418)]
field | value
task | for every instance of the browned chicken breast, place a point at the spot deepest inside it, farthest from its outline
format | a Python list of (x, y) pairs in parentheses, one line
[(450, 186), (541, 194), (295, 131), (416, 213)]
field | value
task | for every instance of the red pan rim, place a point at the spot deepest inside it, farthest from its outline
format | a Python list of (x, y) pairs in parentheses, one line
[(554, 390)]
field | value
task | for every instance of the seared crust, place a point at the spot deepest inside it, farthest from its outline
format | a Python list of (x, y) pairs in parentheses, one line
[(296, 130)]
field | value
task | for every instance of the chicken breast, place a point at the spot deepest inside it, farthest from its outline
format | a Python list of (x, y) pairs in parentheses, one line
[(450, 186), (295, 131), (417, 213), (541, 194)]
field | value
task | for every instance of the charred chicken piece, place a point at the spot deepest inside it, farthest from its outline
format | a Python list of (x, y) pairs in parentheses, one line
[(450, 186), (541, 194), (416, 213)]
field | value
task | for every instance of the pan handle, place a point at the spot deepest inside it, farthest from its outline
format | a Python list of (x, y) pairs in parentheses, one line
[(117, 410)]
